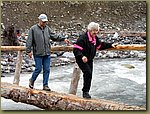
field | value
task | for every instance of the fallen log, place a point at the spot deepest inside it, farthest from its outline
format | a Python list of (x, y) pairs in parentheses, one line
[(70, 48), (58, 101)]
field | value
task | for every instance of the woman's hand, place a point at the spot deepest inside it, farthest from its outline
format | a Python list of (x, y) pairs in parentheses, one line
[(84, 59)]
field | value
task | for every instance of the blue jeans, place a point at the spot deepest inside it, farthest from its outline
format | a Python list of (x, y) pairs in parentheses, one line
[(39, 62)]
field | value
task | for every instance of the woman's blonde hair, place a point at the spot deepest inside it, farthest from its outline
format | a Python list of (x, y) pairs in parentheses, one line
[(93, 26)]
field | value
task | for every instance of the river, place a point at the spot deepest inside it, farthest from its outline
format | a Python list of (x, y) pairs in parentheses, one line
[(112, 80)]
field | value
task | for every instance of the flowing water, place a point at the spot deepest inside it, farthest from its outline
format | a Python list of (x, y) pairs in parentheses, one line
[(112, 80)]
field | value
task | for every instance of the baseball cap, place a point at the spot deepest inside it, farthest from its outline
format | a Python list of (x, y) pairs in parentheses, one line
[(43, 17)]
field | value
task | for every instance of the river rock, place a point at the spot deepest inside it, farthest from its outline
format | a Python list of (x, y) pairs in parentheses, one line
[(68, 55), (128, 66)]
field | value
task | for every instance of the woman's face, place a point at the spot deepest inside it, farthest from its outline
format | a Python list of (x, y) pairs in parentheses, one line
[(94, 32)]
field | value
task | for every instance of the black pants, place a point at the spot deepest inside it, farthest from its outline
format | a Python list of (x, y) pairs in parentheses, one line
[(87, 69)]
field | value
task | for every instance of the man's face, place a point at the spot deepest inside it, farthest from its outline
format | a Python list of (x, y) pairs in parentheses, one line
[(43, 23)]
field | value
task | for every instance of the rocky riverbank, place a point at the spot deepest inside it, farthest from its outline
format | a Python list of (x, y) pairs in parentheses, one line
[(8, 59)]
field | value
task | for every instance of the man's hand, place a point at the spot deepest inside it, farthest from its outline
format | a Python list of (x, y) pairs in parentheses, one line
[(67, 41), (30, 55), (84, 59), (21, 44), (114, 45)]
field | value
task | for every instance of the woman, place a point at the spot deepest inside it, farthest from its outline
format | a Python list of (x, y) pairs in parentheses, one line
[(85, 51)]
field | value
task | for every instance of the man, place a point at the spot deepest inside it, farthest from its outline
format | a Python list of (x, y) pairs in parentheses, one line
[(39, 42), (85, 50)]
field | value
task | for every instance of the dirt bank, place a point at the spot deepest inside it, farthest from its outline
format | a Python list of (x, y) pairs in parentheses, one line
[(68, 16)]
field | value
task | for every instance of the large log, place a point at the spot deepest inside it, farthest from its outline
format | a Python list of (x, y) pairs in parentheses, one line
[(58, 101), (70, 48)]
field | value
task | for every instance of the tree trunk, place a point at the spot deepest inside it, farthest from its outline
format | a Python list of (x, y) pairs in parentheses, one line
[(58, 101)]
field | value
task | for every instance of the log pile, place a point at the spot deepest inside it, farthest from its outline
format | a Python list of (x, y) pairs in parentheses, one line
[(58, 101)]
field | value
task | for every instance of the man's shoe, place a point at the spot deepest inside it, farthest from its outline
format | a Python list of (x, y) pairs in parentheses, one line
[(31, 84), (46, 88), (86, 95)]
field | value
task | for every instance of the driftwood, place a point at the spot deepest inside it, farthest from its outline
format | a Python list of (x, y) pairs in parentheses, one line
[(70, 48), (57, 101)]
